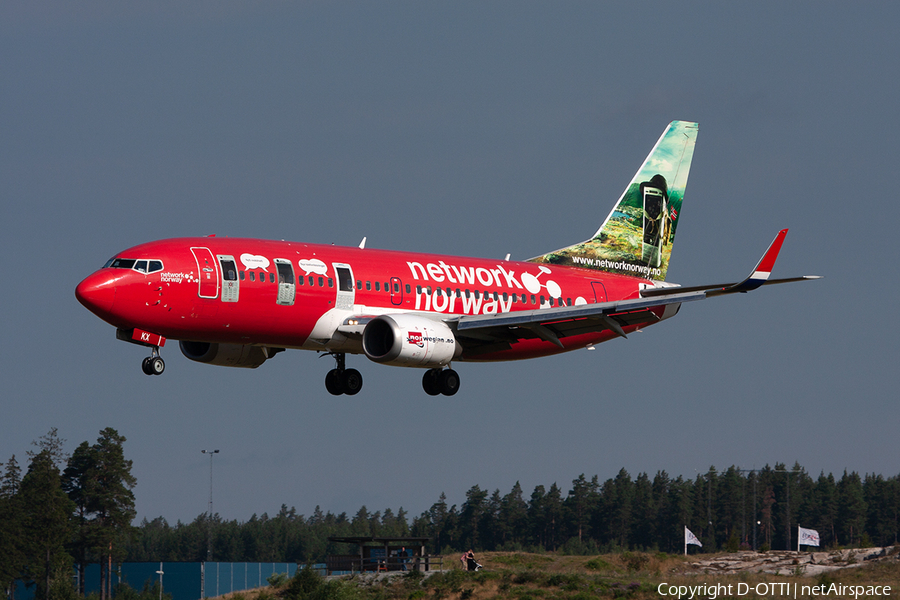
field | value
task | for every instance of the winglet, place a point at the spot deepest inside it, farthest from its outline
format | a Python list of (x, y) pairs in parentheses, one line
[(760, 273)]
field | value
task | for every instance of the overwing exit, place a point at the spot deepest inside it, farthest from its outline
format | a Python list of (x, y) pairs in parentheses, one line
[(238, 302)]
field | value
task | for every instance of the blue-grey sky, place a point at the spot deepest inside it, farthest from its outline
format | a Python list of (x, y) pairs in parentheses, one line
[(461, 128)]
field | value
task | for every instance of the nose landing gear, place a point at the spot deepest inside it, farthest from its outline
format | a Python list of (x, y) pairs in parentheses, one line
[(153, 364), (437, 381), (341, 380)]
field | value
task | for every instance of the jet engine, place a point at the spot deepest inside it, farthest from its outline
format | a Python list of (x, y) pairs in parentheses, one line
[(227, 355), (409, 341)]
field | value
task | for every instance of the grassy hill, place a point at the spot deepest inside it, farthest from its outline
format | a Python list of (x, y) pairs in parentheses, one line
[(523, 576)]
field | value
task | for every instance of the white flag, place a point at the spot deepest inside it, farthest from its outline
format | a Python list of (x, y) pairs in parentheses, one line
[(690, 538), (807, 537)]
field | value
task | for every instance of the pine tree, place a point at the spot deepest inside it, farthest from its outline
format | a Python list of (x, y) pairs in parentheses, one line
[(643, 515), (578, 506), (851, 509), (470, 516), (46, 511), (78, 482), (514, 517), (12, 555)]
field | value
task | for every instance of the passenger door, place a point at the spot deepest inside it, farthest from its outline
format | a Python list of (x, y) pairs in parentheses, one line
[(286, 289), (230, 284), (346, 293), (206, 272)]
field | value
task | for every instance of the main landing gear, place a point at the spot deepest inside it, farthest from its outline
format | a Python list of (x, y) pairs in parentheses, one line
[(341, 380), (153, 364), (437, 381)]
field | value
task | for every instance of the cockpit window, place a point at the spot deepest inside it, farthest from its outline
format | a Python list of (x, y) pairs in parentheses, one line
[(141, 266)]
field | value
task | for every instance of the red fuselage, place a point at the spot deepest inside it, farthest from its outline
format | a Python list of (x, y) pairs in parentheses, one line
[(295, 295)]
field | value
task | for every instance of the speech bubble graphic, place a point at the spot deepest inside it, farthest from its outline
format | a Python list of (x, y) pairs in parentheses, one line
[(255, 261), (313, 265)]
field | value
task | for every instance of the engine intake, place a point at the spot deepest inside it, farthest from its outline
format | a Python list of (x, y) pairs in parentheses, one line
[(409, 341), (227, 355)]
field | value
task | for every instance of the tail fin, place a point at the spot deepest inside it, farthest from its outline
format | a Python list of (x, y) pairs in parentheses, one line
[(636, 238)]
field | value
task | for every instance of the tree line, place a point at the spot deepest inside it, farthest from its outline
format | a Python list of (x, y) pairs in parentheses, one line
[(74, 509), (723, 508)]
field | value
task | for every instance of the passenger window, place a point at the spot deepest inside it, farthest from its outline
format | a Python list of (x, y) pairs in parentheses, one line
[(141, 266), (155, 265), (271, 277), (505, 296), (252, 275), (368, 286), (378, 286), (312, 280), (467, 293), (568, 302), (241, 275), (458, 294), (532, 298), (321, 281), (542, 300), (300, 279), (439, 292), (359, 284), (429, 290), (330, 282), (476, 294), (407, 288), (386, 287)]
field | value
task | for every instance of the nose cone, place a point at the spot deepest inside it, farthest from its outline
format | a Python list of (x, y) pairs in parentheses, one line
[(97, 293)]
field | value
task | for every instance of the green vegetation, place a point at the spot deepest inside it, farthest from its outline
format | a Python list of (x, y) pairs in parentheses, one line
[(633, 575)]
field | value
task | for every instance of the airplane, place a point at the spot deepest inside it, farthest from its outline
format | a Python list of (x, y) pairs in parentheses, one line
[(238, 302)]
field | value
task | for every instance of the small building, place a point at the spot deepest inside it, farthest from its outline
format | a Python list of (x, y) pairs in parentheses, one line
[(383, 554)]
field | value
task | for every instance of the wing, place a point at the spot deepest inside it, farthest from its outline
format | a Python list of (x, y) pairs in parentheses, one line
[(481, 334)]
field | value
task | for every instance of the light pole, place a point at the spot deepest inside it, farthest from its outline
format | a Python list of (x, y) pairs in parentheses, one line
[(160, 573), (210, 512)]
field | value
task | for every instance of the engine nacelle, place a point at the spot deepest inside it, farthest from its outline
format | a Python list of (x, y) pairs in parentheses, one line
[(409, 341), (226, 355)]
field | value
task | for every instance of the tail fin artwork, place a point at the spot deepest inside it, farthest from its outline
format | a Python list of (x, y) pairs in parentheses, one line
[(636, 238)]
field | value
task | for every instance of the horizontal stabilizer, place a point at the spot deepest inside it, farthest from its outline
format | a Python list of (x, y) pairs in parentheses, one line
[(758, 277)]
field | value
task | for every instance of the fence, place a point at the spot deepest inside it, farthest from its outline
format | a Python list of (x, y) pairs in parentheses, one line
[(183, 580)]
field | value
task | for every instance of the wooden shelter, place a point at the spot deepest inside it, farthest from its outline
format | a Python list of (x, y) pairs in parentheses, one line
[(383, 554)]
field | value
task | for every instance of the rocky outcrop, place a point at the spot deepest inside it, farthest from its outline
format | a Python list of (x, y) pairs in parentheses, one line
[(790, 563)]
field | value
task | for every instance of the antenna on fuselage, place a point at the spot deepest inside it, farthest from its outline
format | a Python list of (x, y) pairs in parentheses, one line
[(362, 244)]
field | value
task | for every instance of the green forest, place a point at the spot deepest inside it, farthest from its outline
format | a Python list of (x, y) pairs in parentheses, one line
[(71, 510)]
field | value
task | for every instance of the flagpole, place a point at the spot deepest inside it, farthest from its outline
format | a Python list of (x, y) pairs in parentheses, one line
[(798, 538), (685, 540)]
